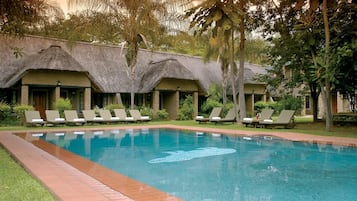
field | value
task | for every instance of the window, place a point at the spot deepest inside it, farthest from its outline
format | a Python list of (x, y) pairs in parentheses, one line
[(307, 102)]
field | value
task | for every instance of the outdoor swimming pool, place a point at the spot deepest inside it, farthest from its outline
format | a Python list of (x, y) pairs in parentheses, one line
[(205, 166)]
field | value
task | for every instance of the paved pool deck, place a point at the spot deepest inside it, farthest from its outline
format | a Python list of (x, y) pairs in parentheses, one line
[(71, 178)]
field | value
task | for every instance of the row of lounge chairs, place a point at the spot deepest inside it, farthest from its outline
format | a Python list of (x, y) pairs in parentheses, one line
[(71, 117), (215, 117), (285, 119)]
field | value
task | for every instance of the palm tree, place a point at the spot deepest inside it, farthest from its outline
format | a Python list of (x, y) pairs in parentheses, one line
[(219, 48), (136, 18), (220, 17)]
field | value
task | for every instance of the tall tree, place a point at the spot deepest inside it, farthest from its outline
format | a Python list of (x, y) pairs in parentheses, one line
[(326, 87), (88, 26), (136, 18), (344, 50), (218, 17), (324, 73), (242, 7), (219, 48), (292, 46), (17, 17), (309, 24)]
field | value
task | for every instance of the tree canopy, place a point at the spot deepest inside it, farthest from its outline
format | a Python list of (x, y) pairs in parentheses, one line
[(318, 54), (18, 17)]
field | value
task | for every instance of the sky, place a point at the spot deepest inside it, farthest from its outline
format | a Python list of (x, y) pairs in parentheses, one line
[(63, 5)]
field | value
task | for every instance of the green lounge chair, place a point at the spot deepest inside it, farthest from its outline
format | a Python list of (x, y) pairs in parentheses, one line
[(53, 117), (71, 117), (33, 118), (265, 114), (230, 117), (107, 116), (285, 119), (216, 112), (121, 113), (138, 117)]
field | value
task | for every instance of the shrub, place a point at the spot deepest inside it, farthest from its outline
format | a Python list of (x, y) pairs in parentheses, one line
[(20, 112), (260, 105), (146, 111), (186, 109), (5, 111), (63, 104), (289, 102), (209, 105), (214, 99), (96, 110), (227, 107), (249, 114), (111, 107), (162, 114)]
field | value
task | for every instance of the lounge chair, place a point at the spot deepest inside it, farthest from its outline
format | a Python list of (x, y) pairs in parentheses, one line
[(90, 117), (230, 117), (53, 117), (107, 116), (265, 114), (71, 117), (33, 118), (121, 113), (286, 119), (214, 114), (137, 116)]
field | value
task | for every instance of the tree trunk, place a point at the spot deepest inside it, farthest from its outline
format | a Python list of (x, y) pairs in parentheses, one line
[(315, 106), (132, 90), (315, 98), (234, 94), (242, 111), (225, 84), (132, 54), (327, 83)]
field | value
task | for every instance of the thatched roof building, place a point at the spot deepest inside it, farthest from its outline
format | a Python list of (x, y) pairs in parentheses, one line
[(52, 58), (156, 71), (106, 65)]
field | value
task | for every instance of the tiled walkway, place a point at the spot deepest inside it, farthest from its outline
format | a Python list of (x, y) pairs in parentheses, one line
[(70, 177)]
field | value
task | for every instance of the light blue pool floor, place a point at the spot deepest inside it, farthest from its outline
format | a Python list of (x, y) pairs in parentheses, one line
[(202, 166)]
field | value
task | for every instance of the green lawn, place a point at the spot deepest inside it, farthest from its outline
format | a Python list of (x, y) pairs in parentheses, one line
[(17, 184)]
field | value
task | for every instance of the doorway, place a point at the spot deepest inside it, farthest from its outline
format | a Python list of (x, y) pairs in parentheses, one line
[(40, 102)]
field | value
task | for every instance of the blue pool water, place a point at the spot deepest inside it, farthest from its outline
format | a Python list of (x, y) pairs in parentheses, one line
[(204, 167)]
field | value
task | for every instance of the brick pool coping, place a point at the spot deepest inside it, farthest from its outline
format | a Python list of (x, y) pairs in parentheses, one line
[(70, 177)]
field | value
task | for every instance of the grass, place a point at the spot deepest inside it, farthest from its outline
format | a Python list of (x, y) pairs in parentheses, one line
[(17, 184)]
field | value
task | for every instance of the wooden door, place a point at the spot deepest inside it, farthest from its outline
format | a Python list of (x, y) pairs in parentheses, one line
[(39, 102)]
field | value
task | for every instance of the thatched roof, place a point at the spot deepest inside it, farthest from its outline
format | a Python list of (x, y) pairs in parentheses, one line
[(52, 58), (106, 65), (156, 71), (205, 73), (252, 72)]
